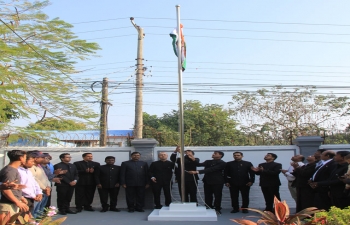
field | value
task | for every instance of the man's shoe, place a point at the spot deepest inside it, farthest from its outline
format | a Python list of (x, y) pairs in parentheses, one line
[(71, 211), (140, 210), (103, 210), (234, 211), (115, 210), (131, 210), (218, 212), (79, 210), (62, 212), (89, 209), (245, 211), (158, 207)]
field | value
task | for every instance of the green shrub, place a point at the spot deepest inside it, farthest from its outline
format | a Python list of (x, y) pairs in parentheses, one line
[(336, 216)]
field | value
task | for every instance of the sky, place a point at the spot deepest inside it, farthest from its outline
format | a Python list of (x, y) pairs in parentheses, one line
[(232, 46)]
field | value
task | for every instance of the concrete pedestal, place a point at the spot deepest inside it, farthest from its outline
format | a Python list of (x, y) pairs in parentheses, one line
[(183, 212)]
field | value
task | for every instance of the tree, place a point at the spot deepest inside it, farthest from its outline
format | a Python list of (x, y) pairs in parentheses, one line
[(37, 58), (205, 125), (278, 115), (57, 125)]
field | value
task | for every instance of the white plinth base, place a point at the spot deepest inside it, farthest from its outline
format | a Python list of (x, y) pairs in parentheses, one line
[(183, 212)]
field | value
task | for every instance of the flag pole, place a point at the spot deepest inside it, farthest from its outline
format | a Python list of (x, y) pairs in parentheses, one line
[(181, 113)]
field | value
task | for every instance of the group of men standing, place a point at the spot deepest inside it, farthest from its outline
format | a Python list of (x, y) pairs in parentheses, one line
[(322, 182), (26, 182)]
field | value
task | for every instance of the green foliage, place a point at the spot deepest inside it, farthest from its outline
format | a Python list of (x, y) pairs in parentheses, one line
[(205, 125), (37, 59), (57, 124), (335, 216)]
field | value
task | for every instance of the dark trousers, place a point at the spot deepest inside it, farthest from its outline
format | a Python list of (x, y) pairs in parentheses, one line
[(84, 196), (64, 196), (157, 189), (135, 197), (30, 204), (322, 200), (269, 195), (190, 190), (113, 197), (234, 192), (340, 201), (209, 191), (305, 198)]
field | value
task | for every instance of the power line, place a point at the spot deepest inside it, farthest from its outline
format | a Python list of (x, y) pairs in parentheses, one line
[(225, 29), (251, 64), (261, 39), (223, 21)]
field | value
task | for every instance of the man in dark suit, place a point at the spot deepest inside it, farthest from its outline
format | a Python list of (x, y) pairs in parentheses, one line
[(161, 173), (134, 178), (239, 177), (86, 186), (107, 181), (321, 198), (269, 179), (191, 181), (336, 186), (213, 179), (65, 189), (302, 176)]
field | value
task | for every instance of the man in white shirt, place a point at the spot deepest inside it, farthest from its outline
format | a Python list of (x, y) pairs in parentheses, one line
[(32, 191), (297, 161)]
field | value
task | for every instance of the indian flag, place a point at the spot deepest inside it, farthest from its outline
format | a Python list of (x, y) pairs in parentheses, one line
[(174, 36)]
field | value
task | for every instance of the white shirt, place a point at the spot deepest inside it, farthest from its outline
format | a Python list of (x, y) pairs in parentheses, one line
[(32, 187), (289, 174)]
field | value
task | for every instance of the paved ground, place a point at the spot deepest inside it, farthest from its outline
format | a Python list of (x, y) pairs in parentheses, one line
[(138, 218)]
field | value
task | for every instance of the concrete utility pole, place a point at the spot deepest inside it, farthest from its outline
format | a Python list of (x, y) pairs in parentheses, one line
[(139, 84), (103, 119)]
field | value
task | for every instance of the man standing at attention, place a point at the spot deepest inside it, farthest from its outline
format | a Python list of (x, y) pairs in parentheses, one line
[(108, 183), (161, 173), (213, 180), (12, 199), (297, 160), (269, 179), (65, 189), (134, 178), (86, 186), (239, 178)]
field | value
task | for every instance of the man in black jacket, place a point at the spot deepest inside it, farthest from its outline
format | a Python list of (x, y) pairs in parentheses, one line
[(269, 179), (336, 186), (86, 186), (321, 198), (65, 189), (134, 178), (239, 178), (191, 181), (302, 174), (107, 181), (161, 173), (213, 179)]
